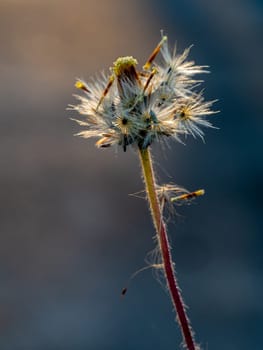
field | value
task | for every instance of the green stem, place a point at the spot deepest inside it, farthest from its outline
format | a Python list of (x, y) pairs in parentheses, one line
[(150, 185)]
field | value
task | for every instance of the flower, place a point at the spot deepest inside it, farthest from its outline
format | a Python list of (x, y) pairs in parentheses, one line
[(133, 107)]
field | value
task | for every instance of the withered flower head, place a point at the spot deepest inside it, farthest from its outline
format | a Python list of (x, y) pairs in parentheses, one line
[(135, 107)]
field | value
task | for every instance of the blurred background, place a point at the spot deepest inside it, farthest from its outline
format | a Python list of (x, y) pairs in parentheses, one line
[(70, 236)]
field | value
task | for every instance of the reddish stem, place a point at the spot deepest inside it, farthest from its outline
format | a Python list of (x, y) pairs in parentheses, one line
[(168, 265)]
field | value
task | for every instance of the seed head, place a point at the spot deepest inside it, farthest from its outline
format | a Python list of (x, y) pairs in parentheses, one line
[(133, 107)]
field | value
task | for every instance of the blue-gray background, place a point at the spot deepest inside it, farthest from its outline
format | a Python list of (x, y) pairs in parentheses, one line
[(70, 234)]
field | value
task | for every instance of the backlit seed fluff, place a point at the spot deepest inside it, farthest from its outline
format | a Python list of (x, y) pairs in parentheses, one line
[(135, 107)]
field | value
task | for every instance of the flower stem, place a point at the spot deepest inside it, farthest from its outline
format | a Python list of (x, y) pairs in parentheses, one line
[(160, 227)]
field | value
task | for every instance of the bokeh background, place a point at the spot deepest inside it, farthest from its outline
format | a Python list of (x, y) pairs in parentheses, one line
[(70, 236)]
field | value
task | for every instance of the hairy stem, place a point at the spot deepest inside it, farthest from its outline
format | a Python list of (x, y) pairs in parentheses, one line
[(150, 185)]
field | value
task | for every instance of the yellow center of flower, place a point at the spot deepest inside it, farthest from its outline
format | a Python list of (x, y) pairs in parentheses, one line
[(185, 113), (123, 64)]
